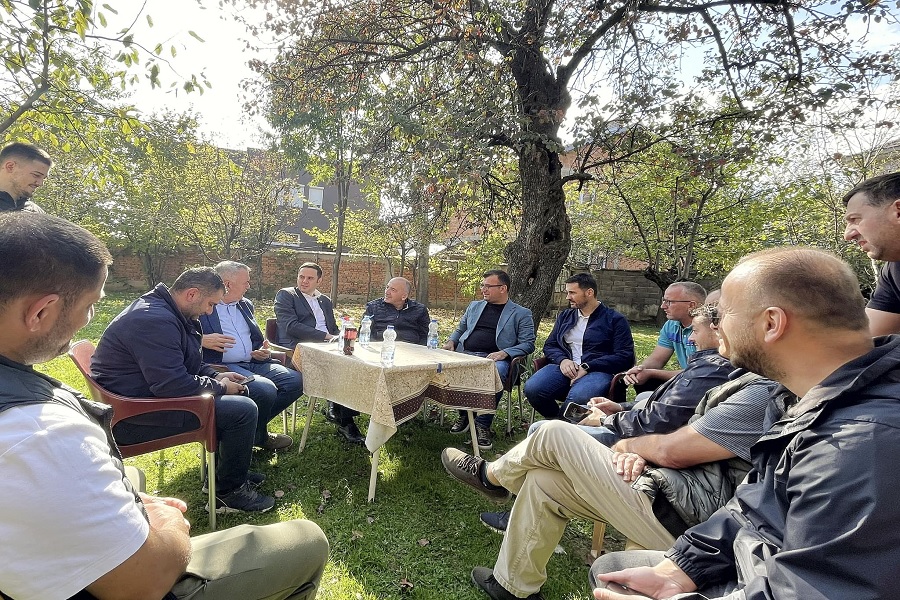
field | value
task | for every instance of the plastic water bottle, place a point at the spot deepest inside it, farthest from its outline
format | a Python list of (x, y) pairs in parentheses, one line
[(388, 346), (345, 320), (433, 334), (365, 331)]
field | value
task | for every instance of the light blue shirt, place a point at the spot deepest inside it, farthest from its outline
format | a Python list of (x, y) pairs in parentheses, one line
[(234, 324)]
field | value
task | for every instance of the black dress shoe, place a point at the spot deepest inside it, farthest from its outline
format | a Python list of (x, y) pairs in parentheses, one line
[(351, 433), (328, 411)]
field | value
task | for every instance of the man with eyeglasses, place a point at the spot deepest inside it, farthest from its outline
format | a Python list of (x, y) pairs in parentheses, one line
[(873, 223), (678, 301), (496, 328)]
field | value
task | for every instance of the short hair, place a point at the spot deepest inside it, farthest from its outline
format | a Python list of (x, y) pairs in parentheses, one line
[(879, 191), (25, 152), (810, 282), (695, 290), (310, 265), (585, 281), (406, 281), (204, 279), (230, 267), (503, 276), (44, 254)]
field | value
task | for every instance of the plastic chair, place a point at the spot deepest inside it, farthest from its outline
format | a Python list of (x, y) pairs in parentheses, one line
[(514, 381), (203, 407), (286, 356)]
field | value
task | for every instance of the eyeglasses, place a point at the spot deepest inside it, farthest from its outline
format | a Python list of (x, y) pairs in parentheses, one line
[(667, 301), (487, 286), (708, 312)]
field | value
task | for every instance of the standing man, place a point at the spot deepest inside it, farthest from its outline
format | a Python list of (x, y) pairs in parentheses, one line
[(873, 222), (678, 302), (233, 338), (305, 314), (816, 517), (74, 526), (153, 349), (495, 328), (588, 345), (23, 169), (409, 318)]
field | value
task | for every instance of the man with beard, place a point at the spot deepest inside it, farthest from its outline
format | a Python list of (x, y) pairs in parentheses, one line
[(74, 526), (588, 345), (873, 222), (23, 169), (816, 517), (152, 348)]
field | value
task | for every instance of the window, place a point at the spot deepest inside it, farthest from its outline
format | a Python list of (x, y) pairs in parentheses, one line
[(315, 197), (296, 197)]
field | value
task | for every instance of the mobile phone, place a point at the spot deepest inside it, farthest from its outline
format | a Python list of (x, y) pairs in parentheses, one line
[(247, 379), (574, 413)]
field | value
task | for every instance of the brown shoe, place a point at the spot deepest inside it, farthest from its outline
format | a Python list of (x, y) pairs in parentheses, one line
[(466, 468), (277, 441), (484, 578)]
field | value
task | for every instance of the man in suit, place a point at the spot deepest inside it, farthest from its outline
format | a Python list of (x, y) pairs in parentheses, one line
[(305, 314), (495, 328), (231, 337)]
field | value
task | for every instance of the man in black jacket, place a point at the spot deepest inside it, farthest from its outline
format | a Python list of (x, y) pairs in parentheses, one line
[(409, 318), (817, 516), (152, 348), (23, 169)]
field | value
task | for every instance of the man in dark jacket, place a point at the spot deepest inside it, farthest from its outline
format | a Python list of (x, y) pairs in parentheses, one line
[(23, 169), (817, 516), (152, 348), (231, 337), (305, 314), (409, 318), (588, 345)]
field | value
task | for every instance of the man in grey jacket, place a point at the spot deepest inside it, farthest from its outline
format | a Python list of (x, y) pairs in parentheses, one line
[(817, 516), (496, 328)]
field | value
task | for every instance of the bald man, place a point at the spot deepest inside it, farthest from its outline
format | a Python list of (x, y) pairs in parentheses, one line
[(817, 515), (409, 318)]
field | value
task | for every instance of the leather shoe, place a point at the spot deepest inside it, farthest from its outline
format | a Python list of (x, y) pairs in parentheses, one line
[(276, 441), (351, 433), (328, 411)]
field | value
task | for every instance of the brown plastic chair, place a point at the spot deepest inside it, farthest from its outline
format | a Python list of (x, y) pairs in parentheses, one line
[(514, 381), (203, 407)]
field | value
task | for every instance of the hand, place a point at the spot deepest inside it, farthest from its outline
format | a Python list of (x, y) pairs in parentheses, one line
[(605, 405), (261, 354), (662, 581), (166, 513), (329, 337), (579, 374), (629, 465), (594, 418), (231, 383), (450, 346), (568, 368), (217, 341), (636, 375), (499, 355)]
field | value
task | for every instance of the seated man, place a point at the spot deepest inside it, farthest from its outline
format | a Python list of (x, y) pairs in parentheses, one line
[(153, 349), (588, 345), (496, 328), (232, 337), (817, 516), (305, 314), (678, 301), (73, 524), (409, 318), (671, 405)]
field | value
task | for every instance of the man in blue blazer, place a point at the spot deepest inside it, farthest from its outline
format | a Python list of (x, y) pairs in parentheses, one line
[(231, 337), (305, 314), (495, 328)]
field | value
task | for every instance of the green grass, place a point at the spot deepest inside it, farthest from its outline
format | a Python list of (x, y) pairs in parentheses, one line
[(422, 528)]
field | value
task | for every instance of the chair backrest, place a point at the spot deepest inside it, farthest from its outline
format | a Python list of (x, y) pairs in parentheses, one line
[(272, 330), (202, 406), (516, 368)]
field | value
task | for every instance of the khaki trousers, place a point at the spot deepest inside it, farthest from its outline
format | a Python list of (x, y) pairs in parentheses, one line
[(558, 473)]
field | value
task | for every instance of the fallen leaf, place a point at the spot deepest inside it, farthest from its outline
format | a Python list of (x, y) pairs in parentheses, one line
[(370, 520), (406, 585), (356, 535), (279, 494), (326, 495), (424, 542), (321, 508)]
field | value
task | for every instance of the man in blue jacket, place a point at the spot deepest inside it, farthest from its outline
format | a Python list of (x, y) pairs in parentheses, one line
[(588, 345), (231, 337), (495, 328), (817, 517), (152, 349)]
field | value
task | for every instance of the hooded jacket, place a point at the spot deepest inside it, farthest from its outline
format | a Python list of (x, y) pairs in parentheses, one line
[(818, 516)]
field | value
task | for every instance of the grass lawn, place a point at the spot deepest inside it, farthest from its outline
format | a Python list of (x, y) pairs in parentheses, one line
[(421, 536)]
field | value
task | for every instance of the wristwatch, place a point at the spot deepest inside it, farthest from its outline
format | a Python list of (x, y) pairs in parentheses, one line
[(585, 366)]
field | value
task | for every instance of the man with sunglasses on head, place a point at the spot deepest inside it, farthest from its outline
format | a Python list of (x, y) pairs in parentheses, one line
[(678, 301), (496, 328)]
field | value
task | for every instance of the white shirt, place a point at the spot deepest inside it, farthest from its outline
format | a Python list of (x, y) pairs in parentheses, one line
[(67, 517), (575, 337), (316, 311), (234, 324)]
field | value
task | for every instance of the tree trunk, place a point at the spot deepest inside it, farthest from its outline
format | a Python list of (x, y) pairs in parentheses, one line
[(422, 258), (343, 191)]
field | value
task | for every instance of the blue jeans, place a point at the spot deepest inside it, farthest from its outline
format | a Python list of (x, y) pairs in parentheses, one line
[(605, 436), (486, 420), (548, 385), (235, 429), (276, 387)]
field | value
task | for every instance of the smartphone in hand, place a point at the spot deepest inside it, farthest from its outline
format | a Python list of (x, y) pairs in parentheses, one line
[(247, 379), (574, 413)]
